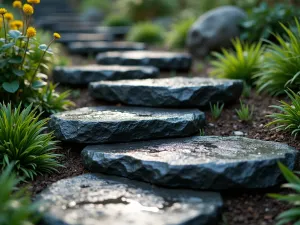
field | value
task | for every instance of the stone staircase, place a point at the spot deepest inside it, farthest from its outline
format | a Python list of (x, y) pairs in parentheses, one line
[(131, 149)]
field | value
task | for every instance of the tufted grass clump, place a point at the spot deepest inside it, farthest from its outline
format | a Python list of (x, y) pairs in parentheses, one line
[(146, 32), (281, 67), (245, 113), (242, 63), (15, 206), (24, 143), (291, 216), (176, 38), (117, 21), (216, 110), (288, 119)]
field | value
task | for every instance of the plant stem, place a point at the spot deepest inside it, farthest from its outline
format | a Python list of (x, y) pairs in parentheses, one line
[(4, 26), (27, 43), (36, 70)]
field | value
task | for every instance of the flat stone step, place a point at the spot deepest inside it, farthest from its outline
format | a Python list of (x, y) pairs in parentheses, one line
[(168, 92), (84, 48), (74, 37), (110, 124), (92, 199), (72, 29), (207, 163), (161, 60), (117, 32), (83, 75)]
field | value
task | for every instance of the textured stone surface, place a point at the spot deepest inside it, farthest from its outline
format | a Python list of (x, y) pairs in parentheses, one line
[(93, 199), (95, 47), (161, 60), (214, 30), (116, 32), (83, 75), (73, 37), (123, 124), (168, 92), (208, 163)]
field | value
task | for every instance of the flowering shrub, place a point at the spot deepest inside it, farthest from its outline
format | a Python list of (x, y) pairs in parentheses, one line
[(20, 79)]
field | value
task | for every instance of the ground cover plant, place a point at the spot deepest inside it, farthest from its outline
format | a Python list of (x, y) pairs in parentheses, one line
[(117, 21), (20, 64), (242, 63)]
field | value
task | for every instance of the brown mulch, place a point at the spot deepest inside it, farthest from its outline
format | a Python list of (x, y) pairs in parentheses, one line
[(240, 207)]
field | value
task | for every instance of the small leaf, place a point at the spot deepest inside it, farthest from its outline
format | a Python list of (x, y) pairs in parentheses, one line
[(19, 73), (42, 76), (11, 87), (43, 47), (7, 46), (14, 34), (38, 84), (16, 60)]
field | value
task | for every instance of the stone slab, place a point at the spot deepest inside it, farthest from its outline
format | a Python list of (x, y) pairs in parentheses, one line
[(207, 163), (95, 47), (110, 124), (92, 199), (75, 37), (83, 75), (161, 60), (168, 92)]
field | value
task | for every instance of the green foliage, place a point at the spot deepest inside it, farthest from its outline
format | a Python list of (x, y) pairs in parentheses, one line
[(291, 216), (21, 80), (147, 9), (244, 113), (103, 5), (115, 20), (201, 132), (264, 20), (289, 117), (146, 32), (15, 206), (243, 63), (24, 143), (176, 38), (216, 110), (246, 90), (281, 67)]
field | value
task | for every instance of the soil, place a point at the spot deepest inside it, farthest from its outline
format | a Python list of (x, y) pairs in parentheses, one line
[(241, 207)]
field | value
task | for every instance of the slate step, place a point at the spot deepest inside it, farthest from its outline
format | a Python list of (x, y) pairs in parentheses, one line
[(92, 199), (72, 29), (111, 124), (117, 32), (161, 60), (74, 37), (84, 48), (168, 92), (207, 163), (83, 75)]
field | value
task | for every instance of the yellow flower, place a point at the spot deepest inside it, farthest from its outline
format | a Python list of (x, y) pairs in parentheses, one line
[(28, 9), (17, 23), (9, 16), (17, 4), (56, 35), (3, 11), (31, 32), (34, 1), (1, 22)]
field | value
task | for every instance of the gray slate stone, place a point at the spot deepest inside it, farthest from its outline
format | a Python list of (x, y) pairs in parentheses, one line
[(168, 92), (161, 60), (207, 163), (83, 75), (214, 30), (74, 37), (123, 124), (95, 47), (94, 199)]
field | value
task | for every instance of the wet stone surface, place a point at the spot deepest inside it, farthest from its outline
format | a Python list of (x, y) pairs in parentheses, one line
[(123, 124), (97, 199), (73, 37), (161, 60), (83, 75), (168, 92), (95, 47), (207, 163)]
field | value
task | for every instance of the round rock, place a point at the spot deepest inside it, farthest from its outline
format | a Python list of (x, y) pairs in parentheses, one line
[(83, 75), (168, 92), (207, 163), (95, 47), (122, 124), (97, 199), (161, 60)]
